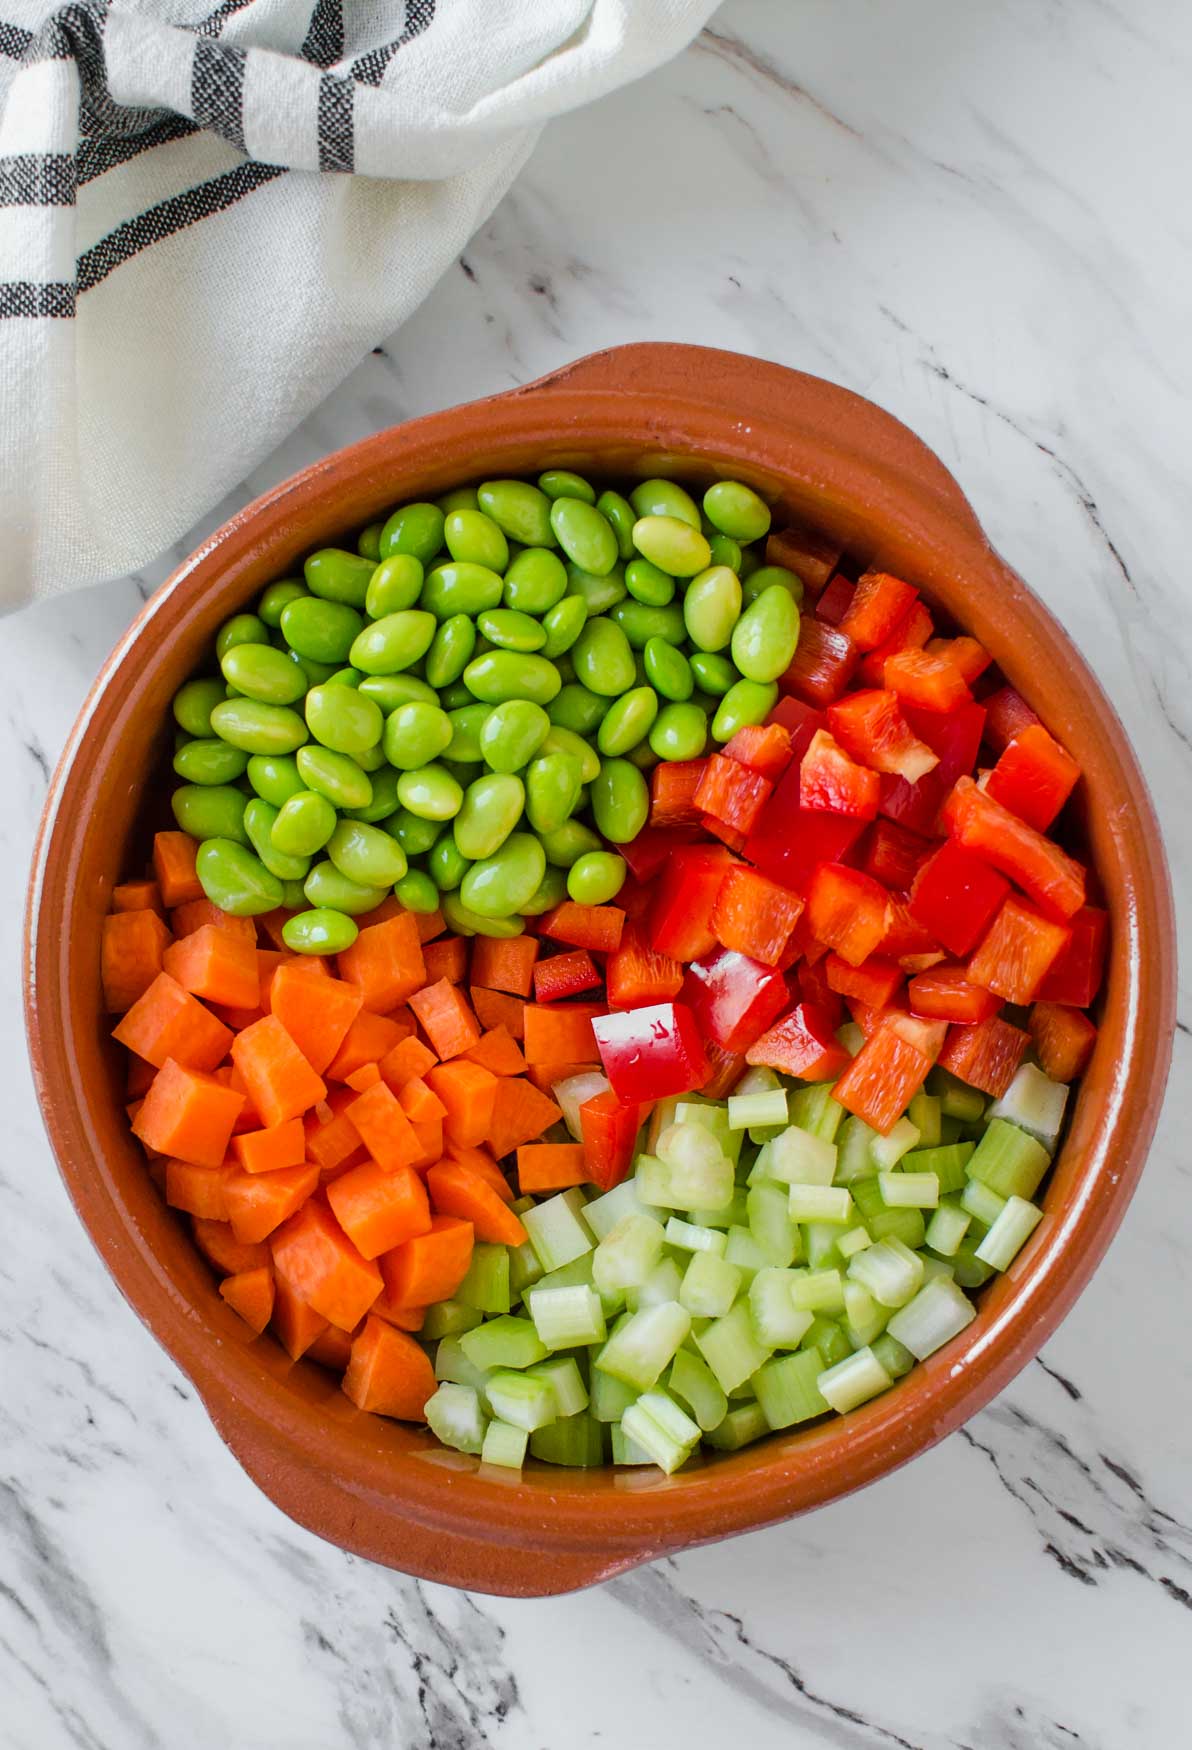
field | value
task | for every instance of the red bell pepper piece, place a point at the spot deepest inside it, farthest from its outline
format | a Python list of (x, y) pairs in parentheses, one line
[(894, 855), (565, 975), (933, 683), (876, 610), (754, 915), (673, 784), (732, 792), (651, 1053), (911, 633), (764, 748), (584, 926), (882, 1079), (1034, 777), (636, 974), (925, 1035), (832, 783), (971, 658), (727, 1070), (733, 998), (608, 1131), (800, 719), (1063, 1039), (871, 728), (811, 986), (728, 835), (906, 939), (646, 854), (1015, 952), (873, 983), (945, 994), (956, 738), (822, 665), (801, 1044), (834, 599), (810, 555), (1075, 974), (680, 923), (1053, 880), (1006, 713), (847, 910), (789, 842), (955, 895), (985, 1056), (634, 898)]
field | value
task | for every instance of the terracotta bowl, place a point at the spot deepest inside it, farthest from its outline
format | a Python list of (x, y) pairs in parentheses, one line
[(390, 1492)]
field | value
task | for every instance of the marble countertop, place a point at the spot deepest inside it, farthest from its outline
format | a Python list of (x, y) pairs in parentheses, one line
[(976, 215)]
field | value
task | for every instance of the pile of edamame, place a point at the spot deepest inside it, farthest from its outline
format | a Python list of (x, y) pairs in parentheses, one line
[(463, 711)]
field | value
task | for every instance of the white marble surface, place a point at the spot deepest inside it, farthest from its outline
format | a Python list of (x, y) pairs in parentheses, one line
[(977, 215)]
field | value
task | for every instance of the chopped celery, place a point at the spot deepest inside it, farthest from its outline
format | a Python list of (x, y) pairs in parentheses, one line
[(787, 1390), (1009, 1233), (686, 1236), (524, 1268), (948, 1162), (564, 1317), (778, 1322), (662, 1284), (854, 1159), (743, 1251), (571, 1093), (710, 1285), (661, 1117), (855, 1240), (577, 1274), (864, 1319), (758, 1080), (504, 1445), (819, 1244), (1008, 1160), (698, 1181), (1035, 1103), (731, 1348), (603, 1213), (950, 1129), (889, 1270), (924, 1113), (956, 1098), (741, 1427), (813, 1109), (610, 1397), (734, 1214), (797, 1157), (693, 1382), (627, 1253), (933, 1267), (455, 1415), (573, 1440), (851, 1036), (626, 1451), (645, 1343), (827, 1338), (658, 1425), (888, 1150), (817, 1291), (713, 1116), (905, 1225), (518, 1398), (453, 1367), (938, 1312), (854, 1380), (449, 1318), (909, 1190), (503, 1342), (558, 1232), (521, 1204), (894, 1356), (981, 1203), (825, 1203), (970, 1271), (486, 1286), (775, 1235), (566, 1381), (766, 1109), (948, 1227)]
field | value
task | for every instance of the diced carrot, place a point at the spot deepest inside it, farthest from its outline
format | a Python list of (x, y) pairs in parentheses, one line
[(136, 896), (236, 1019), (174, 865), (320, 1263), (467, 1092), (167, 1022), (250, 1293), (546, 1076), (550, 1166), (367, 1040), (378, 1209), (446, 958), (221, 1248), (332, 1140), (216, 965), (139, 1077), (200, 1191), (389, 907), (419, 1102), (188, 1115), (132, 949), (499, 1052), (406, 1318), (186, 919), (1063, 1038), (332, 1348), (281, 1084), (272, 923), (986, 1055), (259, 1202), (460, 1191), (430, 1143), (363, 1078), (385, 963), (521, 1113), (446, 1017), (430, 924), (268, 1151), (495, 1009), (389, 1373), (384, 1128), (431, 1267), (504, 963), (584, 926), (565, 975), (409, 1058), (483, 1163), (561, 1034), (298, 1326), (316, 1011)]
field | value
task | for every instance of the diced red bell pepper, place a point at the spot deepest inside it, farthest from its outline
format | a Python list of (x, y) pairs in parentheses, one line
[(732, 792), (788, 842), (673, 784), (985, 1056), (727, 1070), (866, 1018), (733, 998), (905, 938), (1015, 952), (933, 683), (646, 854), (894, 855), (1075, 974), (1006, 713), (1034, 777), (925, 1035), (911, 633), (1054, 880), (651, 1053), (680, 922), (882, 1079), (822, 665), (832, 783), (636, 973), (945, 994), (1063, 1039), (634, 897), (971, 658), (728, 835), (755, 915), (584, 926), (847, 910), (956, 738), (871, 728), (811, 986), (565, 975), (955, 895), (801, 1044), (881, 602), (810, 555), (799, 719), (763, 747), (608, 1131), (804, 942), (873, 983), (834, 599)]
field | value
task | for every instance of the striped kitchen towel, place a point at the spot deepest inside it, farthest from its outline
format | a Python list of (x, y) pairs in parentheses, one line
[(207, 219)]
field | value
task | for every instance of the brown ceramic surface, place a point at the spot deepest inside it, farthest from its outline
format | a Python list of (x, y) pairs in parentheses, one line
[(390, 1492)]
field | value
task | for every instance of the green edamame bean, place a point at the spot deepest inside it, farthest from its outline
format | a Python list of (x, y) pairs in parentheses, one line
[(562, 483), (746, 703), (712, 607), (320, 631), (417, 892), (737, 510), (303, 824), (368, 541), (235, 880), (766, 636), (257, 728), (561, 740), (680, 732), (587, 538), (764, 577), (414, 834), (522, 511), (335, 776), (469, 923), (258, 671), (345, 677), (210, 811), (596, 877), (415, 735), (507, 674), (194, 702), (416, 529), (752, 559), (274, 776), (318, 931), (384, 796), (240, 629), (641, 623), (464, 772), (392, 690), (553, 784), (621, 800), (603, 659), (456, 697), (335, 575), (563, 624), (621, 515), (565, 667), (667, 670), (458, 587), (366, 854), (647, 583), (317, 673), (725, 551), (713, 673), (395, 584), (550, 892), (446, 863), (499, 886), (475, 539), (665, 498), (674, 546), (371, 759), (451, 650), (210, 761), (431, 793), (344, 720), (459, 498), (277, 597), (491, 809), (577, 709), (259, 818), (568, 843), (628, 721), (643, 757), (293, 896), (397, 642), (510, 630), (597, 593), (326, 888), (536, 579), (512, 733), (467, 723)]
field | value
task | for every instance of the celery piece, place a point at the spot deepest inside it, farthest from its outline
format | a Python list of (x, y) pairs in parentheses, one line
[(713, 1116), (888, 1150), (572, 1440), (763, 1133), (1035, 1103), (627, 1253), (758, 1080), (558, 1232), (564, 1317), (694, 1384), (516, 1397), (521, 1204), (889, 1270), (687, 1236), (924, 1113), (504, 1445), (624, 1450), (970, 1271), (851, 1036), (453, 1367), (787, 1390), (486, 1286), (734, 1214), (949, 1163), (894, 1356), (690, 1172), (767, 1109), (645, 1343), (854, 1380), (956, 1098), (817, 1291), (566, 1381), (948, 1227), (798, 1157), (905, 1225), (662, 1284), (524, 1268), (603, 1213), (981, 1203), (950, 1129), (813, 1109), (454, 1414), (855, 1240), (571, 1093), (1009, 1233), (909, 1190), (661, 1117), (503, 1342), (867, 1195), (741, 1427), (774, 1234), (854, 1159), (1009, 1160), (710, 1285), (827, 1338), (743, 1251), (819, 1244), (933, 1267), (449, 1318), (610, 1397), (778, 1322), (938, 1312), (864, 1319), (731, 1348), (825, 1203), (658, 1425)]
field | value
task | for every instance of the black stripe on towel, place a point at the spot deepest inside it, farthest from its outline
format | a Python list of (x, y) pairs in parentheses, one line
[(325, 34), (24, 298), (14, 40), (170, 217), (217, 89), (96, 157), (369, 68), (336, 143), (37, 179), (214, 22)]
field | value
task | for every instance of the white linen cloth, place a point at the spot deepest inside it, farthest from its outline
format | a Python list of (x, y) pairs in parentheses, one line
[(207, 220)]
